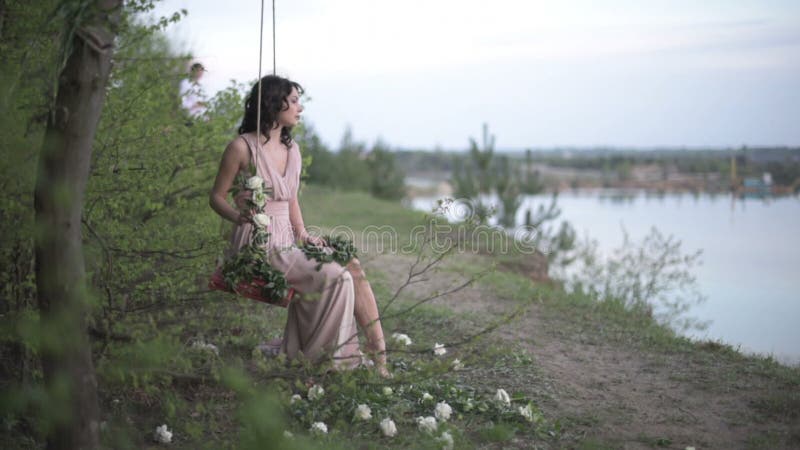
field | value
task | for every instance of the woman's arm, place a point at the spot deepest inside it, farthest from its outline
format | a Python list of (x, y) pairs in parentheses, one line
[(299, 228), (296, 218), (234, 158)]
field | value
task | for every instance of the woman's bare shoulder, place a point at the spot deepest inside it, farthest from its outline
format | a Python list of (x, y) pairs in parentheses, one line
[(238, 145), (237, 152)]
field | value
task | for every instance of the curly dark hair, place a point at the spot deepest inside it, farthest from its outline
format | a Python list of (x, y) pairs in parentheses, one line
[(274, 93)]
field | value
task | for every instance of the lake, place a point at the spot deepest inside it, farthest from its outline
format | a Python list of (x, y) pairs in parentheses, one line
[(750, 270)]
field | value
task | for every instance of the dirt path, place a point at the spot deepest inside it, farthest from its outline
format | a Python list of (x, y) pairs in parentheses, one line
[(612, 395)]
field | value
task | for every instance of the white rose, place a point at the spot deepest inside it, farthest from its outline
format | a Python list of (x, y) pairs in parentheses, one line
[(388, 427), (261, 220), (401, 338), (438, 349), (163, 435), (363, 412), (442, 411), (315, 392), (259, 198), (426, 397), (502, 397), (254, 183), (295, 398), (319, 428), (387, 391), (447, 441), (426, 424), (203, 346), (526, 412)]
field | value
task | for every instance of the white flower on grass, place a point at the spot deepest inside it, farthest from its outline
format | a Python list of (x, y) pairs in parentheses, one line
[(163, 435), (468, 405), (254, 183), (427, 424), (295, 398), (315, 392), (442, 411), (204, 346), (363, 412), (438, 349), (387, 391), (457, 365), (401, 338), (526, 412), (318, 428), (261, 220), (502, 398), (388, 427), (447, 440), (426, 397), (288, 434)]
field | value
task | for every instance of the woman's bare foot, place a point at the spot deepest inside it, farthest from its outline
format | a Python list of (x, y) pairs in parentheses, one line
[(383, 371)]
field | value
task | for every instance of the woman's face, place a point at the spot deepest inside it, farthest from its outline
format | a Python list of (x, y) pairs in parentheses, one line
[(290, 116)]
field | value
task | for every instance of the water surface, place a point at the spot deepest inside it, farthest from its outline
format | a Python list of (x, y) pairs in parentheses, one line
[(751, 256)]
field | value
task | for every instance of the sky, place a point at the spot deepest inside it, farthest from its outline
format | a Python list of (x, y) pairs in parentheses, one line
[(541, 74)]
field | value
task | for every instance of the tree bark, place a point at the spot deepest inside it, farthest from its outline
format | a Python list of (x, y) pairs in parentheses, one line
[(58, 200)]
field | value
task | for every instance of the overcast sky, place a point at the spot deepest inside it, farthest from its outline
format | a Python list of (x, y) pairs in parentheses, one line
[(426, 74)]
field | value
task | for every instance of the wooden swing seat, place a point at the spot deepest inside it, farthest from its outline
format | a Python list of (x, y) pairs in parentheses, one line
[(251, 290)]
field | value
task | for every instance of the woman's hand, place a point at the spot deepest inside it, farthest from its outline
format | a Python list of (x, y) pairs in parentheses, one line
[(316, 241), (242, 204), (245, 216), (241, 199)]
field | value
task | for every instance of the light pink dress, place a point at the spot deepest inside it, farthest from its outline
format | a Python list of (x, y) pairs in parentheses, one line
[(321, 322)]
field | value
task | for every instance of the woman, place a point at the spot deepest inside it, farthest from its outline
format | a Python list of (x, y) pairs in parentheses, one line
[(320, 321)]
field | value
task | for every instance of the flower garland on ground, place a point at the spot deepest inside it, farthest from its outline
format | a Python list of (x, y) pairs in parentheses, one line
[(440, 419)]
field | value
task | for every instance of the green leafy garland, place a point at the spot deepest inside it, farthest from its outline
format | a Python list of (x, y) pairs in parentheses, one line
[(339, 249)]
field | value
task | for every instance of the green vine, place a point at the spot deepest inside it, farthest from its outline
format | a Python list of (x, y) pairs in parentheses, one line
[(339, 249)]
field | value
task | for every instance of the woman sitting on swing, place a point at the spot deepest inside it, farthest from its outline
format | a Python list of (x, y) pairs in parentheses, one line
[(321, 323)]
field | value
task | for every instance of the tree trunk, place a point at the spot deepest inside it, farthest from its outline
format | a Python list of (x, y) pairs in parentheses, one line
[(58, 200)]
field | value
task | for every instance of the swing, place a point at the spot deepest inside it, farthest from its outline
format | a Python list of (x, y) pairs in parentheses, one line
[(252, 289)]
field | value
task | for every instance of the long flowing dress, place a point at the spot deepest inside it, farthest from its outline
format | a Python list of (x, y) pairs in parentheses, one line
[(321, 322)]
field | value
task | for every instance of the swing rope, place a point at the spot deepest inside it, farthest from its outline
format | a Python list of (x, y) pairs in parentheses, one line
[(258, 105), (274, 72)]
